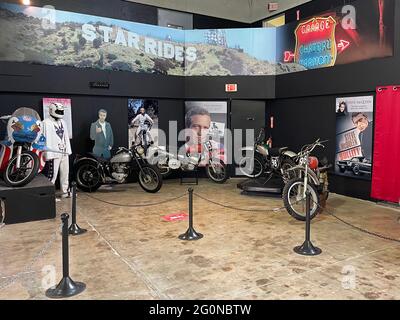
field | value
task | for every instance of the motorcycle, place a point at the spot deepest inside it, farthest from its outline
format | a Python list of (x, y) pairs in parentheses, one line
[(266, 160), (92, 171), (215, 168), (21, 154), (311, 175)]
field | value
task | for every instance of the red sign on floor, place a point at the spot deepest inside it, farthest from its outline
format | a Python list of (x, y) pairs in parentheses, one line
[(178, 216)]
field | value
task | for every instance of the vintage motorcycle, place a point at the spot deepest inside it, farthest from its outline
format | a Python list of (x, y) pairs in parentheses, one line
[(265, 160), (167, 162), (92, 171), (21, 153), (312, 175)]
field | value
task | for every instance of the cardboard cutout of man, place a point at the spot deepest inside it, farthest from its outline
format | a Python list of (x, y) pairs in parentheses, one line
[(102, 135), (55, 131)]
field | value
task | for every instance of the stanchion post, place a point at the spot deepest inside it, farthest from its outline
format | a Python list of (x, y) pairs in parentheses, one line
[(307, 248), (74, 229), (66, 287), (191, 234)]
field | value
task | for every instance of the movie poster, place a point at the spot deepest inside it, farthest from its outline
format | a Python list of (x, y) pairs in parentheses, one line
[(205, 122), (135, 126), (354, 134), (67, 111)]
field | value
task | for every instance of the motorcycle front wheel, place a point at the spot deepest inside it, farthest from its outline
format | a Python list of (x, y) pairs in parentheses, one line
[(252, 167), (18, 177), (150, 178), (88, 177), (295, 202), (217, 171)]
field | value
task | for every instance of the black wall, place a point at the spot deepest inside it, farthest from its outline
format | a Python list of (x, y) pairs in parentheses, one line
[(85, 111)]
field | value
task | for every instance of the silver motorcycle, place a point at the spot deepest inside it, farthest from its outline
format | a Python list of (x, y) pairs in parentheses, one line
[(92, 171)]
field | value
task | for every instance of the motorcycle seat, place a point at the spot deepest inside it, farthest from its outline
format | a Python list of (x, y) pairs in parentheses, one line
[(276, 152), (99, 159)]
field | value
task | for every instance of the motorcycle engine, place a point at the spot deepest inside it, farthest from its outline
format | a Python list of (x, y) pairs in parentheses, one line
[(174, 164), (120, 172)]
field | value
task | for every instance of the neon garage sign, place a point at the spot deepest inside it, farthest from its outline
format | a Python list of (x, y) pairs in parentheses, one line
[(315, 43)]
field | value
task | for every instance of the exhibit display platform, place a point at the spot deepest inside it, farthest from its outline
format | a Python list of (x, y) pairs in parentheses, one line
[(262, 187), (35, 201)]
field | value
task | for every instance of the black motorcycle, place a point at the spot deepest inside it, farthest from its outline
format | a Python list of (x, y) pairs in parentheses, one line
[(92, 171), (260, 160)]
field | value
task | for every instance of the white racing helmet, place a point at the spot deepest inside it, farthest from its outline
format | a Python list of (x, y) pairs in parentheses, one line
[(56, 110)]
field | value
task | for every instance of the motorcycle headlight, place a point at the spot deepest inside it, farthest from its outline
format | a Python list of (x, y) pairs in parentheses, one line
[(140, 150)]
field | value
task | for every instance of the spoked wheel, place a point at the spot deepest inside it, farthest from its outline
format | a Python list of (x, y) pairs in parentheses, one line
[(18, 176), (295, 201), (164, 169), (288, 163), (217, 171), (252, 167), (88, 176), (150, 179)]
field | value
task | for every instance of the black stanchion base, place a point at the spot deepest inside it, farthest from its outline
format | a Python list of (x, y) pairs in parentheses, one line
[(307, 249), (66, 288), (191, 235), (75, 230)]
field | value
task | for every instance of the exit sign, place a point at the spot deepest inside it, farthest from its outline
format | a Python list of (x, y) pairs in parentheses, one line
[(273, 6), (232, 87)]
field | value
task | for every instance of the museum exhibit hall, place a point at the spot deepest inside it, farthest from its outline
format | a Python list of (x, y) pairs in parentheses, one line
[(229, 151)]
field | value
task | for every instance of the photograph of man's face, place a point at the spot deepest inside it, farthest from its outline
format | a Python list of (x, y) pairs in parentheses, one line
[(360, 121), (102, 116), (198, 121)]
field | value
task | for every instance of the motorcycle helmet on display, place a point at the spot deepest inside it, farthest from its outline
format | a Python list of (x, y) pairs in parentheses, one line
[(56, 110)]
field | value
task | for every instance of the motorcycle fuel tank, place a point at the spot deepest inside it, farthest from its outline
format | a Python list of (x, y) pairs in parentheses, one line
[(122, 157), (262, 150)]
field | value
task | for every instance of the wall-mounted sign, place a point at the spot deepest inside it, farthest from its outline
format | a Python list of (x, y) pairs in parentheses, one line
[(231, 87), (99, 85), (316, 43)]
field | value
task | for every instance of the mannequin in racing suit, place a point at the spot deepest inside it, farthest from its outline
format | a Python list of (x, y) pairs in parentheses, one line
[(141, 119), (57, 141)]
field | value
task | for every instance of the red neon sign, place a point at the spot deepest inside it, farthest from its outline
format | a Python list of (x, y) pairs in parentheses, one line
[(288, 56), (343, 45)]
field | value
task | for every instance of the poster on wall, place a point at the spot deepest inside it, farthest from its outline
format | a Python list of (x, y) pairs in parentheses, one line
[(135, 125), (67, 110), (205, 122), (61, 38), (354, 134)]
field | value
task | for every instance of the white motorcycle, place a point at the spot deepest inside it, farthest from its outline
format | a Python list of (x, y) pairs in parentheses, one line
[(166, 162)]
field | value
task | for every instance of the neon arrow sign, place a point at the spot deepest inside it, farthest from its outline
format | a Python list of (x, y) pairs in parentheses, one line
[(343, 45)]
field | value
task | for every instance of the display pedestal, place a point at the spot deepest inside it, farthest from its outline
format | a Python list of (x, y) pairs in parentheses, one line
[(35, 201), (262, 187), (189, 177)]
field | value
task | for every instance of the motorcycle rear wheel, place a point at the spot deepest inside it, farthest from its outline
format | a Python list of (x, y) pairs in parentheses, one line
[(87, 176), (29, 167), (150, 178), (165, 171)]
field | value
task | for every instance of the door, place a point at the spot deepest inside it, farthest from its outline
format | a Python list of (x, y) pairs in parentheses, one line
[(246, 114)]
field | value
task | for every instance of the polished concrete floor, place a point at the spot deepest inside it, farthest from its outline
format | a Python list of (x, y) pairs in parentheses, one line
[(132, 253)]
